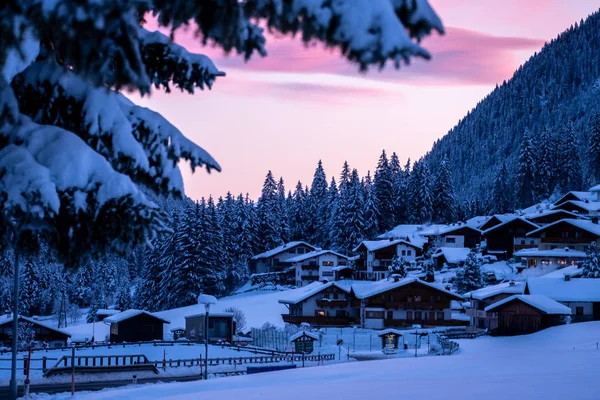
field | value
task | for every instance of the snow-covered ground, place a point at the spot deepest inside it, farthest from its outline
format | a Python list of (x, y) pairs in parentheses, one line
[(152, 353), (558, 363)]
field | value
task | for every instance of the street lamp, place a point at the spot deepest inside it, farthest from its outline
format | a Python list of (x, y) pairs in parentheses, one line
[(207, 300)]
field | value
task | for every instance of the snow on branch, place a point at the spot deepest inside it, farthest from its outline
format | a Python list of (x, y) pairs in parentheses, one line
[(168, 62), (50, 174), (368, 32)]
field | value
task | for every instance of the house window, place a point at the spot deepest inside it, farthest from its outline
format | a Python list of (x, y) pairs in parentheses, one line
[(408, 252), (292, 251), (327, 273), (416, 298), (545, 262), (533, 263), (418, 315), (562, 262), (577, 235), (578, 310), (522, 241), (532, 241), (409, 315), (310, 273), (327, 263), (320, 313), (403, 252), (450, 240), (440, 315), (341, 313), (374, 314)]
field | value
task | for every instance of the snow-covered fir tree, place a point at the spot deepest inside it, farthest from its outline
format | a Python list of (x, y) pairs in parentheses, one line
[(123, 301), (468, 277), (526, 172), (398, 266), (502, 198), (429, 271), (298, 213), (570, 175), (444, 201), (591, 264), (29, 290), (544, 164), (385, 192), (282, 212), (352, 216), (420, 193), (593, 150), (333, 207), (317, 206), (269, 226), (370, 213)]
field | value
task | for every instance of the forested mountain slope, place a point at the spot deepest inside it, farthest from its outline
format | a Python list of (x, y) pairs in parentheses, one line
[(558, 85)]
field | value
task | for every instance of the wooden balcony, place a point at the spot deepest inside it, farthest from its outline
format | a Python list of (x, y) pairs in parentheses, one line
[(310, 268), (332, 303), (320, 321), (391, 323), (309, 278), (561, 240)]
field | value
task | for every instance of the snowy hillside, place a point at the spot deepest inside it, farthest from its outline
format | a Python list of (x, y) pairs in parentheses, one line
[(544, 365)]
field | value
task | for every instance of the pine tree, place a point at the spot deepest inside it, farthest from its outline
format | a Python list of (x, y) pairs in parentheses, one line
[(269, 227), (526, 172), (444, 202), (316, 231), (544, 161), (420, 193), (298, 213), (593, 153), (571, 177), (385, 192), (333, 207), (352, 215), (29, 289), (148, 291), (469, 278), (370, 213), (591, 264), (123, 299), (502, 199), (282, 212), (429, 271)]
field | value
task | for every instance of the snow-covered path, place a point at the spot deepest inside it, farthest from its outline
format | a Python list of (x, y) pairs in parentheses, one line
[(539, 366)]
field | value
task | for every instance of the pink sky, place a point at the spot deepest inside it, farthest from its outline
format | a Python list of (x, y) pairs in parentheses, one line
[(296, 106)]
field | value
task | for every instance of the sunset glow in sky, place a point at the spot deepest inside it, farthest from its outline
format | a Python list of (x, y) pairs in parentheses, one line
[(296, 106)]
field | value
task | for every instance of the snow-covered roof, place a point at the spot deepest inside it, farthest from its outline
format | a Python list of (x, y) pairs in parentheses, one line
[(454, 227), (571, 271), (178, 328), (579, 289), (460, 317), (478, 221), (374, 245), (122, 316), (539, 207), (456, 305), (281, 249), (211, 314), (544, 213), (453, 255), (368, 289), (5, 319), (501, 288), (106, 311), (508, 220), (595, 189), (538, 301), (584, 224), (566, 252), (586, 205), (313, 289), (313, 254), (298, 335), (388, 331), (580, 195)]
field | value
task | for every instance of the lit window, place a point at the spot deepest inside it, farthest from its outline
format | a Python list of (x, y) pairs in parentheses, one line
[(327, 263), (320, 313), (545, 262)]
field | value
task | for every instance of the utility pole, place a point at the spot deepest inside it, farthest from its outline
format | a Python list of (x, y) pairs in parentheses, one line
[(15, 325)]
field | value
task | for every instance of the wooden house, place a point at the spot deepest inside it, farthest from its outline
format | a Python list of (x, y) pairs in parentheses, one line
[(581, 295), (320, 265), (375, 256), (451, 256), (547, 217), (42, 332), (303, 342), (576, 234), (135, 326), (221, 327), (404, 302), (322, 305), (103, 313), (524, 314), (482, 298), (276, 260), (504, 238)]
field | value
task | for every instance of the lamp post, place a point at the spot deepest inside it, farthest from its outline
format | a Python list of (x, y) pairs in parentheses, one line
[(207, 300)]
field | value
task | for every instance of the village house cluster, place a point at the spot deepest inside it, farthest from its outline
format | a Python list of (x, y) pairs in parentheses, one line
[(361, 289)]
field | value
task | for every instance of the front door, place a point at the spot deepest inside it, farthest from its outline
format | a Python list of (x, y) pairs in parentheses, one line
[(390, 315)]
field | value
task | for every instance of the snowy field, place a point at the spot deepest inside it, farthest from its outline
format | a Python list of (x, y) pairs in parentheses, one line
[(544, 365)]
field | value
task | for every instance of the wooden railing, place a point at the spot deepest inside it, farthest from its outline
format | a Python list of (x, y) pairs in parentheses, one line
[(101, 361), (320, 321), (332, 303)]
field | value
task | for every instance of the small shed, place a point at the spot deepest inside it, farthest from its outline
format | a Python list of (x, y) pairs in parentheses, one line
[(178, 333), (220, 327), (523, 314), (304, 341), (104, 313), (42, 333), (135, 326), (389, 338)]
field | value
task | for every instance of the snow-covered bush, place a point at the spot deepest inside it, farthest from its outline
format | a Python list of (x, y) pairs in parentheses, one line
[(469, 277), (591, 264)]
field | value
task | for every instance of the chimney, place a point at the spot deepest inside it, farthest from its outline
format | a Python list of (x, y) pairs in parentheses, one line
[(396, 277), (567, 277), (594, 220), (566, 249), (511, 283)]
